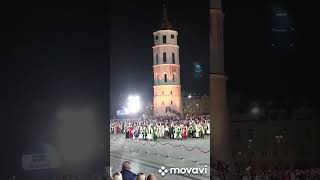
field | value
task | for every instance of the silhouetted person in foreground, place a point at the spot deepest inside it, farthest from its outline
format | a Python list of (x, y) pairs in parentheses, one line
[(151, 177), (126, 173)]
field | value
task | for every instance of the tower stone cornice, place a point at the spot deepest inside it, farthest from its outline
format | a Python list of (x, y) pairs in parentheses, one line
[(166, 45), (159, 65), (165, 30)]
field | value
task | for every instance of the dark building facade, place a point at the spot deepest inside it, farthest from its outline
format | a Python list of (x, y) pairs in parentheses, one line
[(282, 29), (195, 103), (276, 138)]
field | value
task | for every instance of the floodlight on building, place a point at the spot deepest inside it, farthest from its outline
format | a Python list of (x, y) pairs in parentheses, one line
[(133, 104)]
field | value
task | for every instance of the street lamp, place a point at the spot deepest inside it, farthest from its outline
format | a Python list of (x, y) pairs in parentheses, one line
[(250, 150), (255, 110), (279, 139)]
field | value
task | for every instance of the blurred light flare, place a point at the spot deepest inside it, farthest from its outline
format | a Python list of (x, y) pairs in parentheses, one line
[(133, 104), (255, 110)]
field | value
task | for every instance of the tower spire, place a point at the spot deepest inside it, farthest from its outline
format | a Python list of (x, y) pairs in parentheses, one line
[(215, 4), (166, 25)]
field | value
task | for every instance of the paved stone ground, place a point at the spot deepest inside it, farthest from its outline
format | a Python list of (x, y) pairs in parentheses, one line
[(148, 157)]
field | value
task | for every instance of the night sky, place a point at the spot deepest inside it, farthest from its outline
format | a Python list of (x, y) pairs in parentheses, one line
[(131, 44), (57, 55), (255, 69)]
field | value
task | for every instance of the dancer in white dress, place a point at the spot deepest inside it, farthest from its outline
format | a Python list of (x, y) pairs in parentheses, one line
[(150, 131)]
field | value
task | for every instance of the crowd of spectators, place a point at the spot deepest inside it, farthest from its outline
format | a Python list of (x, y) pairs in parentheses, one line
[(224, 172), (126, 174)]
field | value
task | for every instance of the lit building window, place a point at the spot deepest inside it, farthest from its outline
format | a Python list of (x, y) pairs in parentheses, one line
[(164, 57)]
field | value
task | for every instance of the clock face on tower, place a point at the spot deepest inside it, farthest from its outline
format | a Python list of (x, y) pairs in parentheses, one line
[(157, 37), (172, 36)]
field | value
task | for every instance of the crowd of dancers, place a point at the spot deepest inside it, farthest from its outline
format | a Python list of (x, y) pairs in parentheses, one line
[(152, 128)]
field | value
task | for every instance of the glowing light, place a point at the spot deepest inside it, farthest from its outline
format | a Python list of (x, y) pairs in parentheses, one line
[(126, 111), (134, 104), (197, 70), (255, 110)]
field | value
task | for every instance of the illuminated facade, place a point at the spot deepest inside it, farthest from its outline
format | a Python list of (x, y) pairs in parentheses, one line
[(166, 70), (282, 29)]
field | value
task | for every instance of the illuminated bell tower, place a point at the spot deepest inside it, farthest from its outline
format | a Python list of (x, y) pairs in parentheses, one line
[(166, 70)]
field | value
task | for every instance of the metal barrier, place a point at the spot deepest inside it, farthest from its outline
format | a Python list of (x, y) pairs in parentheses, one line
[(115, 140)]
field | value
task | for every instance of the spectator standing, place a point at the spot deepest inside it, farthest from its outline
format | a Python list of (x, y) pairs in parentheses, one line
[(141, 176), (151, 177), (126, 173), (117, 176)]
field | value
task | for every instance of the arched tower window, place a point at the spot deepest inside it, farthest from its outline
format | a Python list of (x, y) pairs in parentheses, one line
[(164, 57), (173, 59), (157, 59), (157, 78), (173, 77), (164, 39), (171, 92), (165, 78), (171, 102)]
